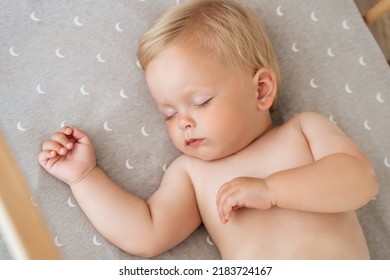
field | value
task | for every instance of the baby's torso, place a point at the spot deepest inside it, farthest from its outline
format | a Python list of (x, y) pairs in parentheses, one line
[(275, 233)]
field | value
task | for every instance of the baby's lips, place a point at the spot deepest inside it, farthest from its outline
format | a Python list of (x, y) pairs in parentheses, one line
[(193, 142)]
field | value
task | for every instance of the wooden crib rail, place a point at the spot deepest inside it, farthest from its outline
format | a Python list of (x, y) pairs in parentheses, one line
[(22, 226), (377, 11)]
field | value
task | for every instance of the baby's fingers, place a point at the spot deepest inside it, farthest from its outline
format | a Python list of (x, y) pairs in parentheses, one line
[(226, 203), (45, 156), (53, 146), (62, 139), (225, 210)]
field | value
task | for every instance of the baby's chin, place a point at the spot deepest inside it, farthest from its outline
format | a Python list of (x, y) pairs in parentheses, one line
[(210, 156)]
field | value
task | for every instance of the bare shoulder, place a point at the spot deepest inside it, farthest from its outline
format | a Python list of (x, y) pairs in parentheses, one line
[(179, 174), (313, 124), (305, 119), (178, 168), (186, 164), (182, 163), (323, 136), (309, 124)]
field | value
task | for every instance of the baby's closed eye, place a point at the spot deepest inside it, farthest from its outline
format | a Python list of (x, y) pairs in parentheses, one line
[(168, 113), (203, 103)]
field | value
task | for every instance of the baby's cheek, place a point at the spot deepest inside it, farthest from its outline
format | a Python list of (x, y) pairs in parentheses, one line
[(175, 137)]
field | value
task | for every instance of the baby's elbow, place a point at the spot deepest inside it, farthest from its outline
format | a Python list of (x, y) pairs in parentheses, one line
[(145, 249), (370, 185), (149, 252), (373, 183)]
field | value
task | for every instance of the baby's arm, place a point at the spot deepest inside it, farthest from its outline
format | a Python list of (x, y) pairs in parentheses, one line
[(340, 179), (138, 227)]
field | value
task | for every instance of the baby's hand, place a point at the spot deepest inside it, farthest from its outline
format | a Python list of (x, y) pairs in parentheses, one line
[(242, 192), (69, 155)]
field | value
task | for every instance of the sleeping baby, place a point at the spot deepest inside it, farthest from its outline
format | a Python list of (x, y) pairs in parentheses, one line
[(262, 191)]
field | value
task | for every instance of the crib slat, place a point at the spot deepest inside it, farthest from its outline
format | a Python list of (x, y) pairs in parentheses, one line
[(23, 228), (377, 11)]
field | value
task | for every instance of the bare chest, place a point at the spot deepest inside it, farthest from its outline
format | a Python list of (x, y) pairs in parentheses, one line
[(278, 150), (252, 233)]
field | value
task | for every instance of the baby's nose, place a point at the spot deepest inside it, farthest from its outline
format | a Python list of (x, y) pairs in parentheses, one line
[(186, 122)]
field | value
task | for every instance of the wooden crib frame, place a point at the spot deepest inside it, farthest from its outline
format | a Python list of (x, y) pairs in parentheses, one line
[(377, 11), (21, 224)]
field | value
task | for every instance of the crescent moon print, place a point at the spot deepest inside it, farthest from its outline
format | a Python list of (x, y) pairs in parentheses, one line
[(20, 127), (77, 21), (144, 133), (13, 52), (279, 11), (34, 17)]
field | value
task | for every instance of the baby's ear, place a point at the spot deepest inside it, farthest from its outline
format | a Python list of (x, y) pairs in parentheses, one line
[(266, 83)]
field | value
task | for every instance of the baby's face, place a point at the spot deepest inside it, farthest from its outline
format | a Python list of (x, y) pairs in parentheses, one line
[(210, 108)]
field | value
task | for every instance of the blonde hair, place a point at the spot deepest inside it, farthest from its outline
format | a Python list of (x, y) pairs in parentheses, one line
[(232, 33)]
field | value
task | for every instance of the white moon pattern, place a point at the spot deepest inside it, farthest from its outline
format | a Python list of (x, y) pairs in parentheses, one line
[(330, 53), (209, 241), (128, 166), (59, 54), (366, 126), (294, 47), (57, 242), (34, 17), (12, 52), (77, 21), (345, 25), (347, 88), (138, 64), (313, 16), (331, 118), (379, 97), (143, 131), (99, 58), (361, 61), (96, 242), (118, 27), (20, 127), (39, 89), (312, 84), (122, 94), (62, 124), (70, 202), (83, 91), (105, 126), (279, 11), (164, 168), (386, 162)]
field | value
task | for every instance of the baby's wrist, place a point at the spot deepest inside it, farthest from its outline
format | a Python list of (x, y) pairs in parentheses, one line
[(86, 174)]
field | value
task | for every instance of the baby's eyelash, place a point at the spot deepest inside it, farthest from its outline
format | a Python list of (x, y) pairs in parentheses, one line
[(204, 103), (201, 105), (167, 118)]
